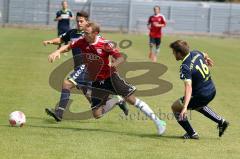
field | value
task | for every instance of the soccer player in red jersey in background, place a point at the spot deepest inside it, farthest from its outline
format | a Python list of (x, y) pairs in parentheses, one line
[(155, 24), (106, 80)]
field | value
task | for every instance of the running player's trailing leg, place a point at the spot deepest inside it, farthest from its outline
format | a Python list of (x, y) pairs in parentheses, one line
[(57, 114), (209, 113), (144, 107)]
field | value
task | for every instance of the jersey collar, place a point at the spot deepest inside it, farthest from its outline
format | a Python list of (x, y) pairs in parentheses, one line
[(96, 41), (156, 15), (65, 11), (186, 57)]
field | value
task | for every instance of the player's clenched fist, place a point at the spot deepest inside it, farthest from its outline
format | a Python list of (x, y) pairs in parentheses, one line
[(209, 62), (45, 43), (52, 57)]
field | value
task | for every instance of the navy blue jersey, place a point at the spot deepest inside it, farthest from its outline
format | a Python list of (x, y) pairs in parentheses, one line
[(73, 35), (195, 69), (64, 23)]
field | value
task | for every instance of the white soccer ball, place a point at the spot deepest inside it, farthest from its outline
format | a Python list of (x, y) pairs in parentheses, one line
[(17, 119)]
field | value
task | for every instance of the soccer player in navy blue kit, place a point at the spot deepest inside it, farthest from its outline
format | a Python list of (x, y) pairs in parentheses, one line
[(63, 18), (72, 35), (199, 88)]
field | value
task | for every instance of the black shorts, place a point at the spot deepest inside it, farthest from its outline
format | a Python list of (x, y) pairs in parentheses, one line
[(154, 41), (199, 101), (114, 85)]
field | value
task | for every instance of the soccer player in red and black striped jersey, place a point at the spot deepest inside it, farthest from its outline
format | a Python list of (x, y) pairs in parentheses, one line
[(104, 75), (155, 24)]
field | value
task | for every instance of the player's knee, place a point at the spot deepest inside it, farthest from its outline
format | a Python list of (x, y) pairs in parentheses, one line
[(130, 99), (96, 116), (176, 106), (67, 84), (97, 113), (173, 107)]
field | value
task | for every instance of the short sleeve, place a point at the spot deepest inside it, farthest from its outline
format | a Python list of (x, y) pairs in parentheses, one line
[(66, 36), (149, 20), (202, 54), (185, 73), (76, 44), (163, 20), (58, 14), (199, 52), (70, 14), (112, 50)]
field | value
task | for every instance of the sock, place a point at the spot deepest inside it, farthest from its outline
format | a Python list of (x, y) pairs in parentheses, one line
[(157, 51), (185, 124), (210, 114), (65, 94), (111, 103), (153, 49), (147, 111)]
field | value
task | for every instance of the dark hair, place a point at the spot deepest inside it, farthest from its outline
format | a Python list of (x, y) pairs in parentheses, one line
[(180, 46), (95, 27), (156, 7), (64, 1), (83, 14)]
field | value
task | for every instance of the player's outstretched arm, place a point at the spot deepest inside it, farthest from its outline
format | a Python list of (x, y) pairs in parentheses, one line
[(187, 98), (57, 54), (55, 41)]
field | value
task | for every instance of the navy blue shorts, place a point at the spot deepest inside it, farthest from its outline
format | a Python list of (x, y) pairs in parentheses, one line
[(155, 41), (62, 31), (199, 101), (79, 77)]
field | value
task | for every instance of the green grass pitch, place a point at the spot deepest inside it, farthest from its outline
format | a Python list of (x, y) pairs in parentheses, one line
[(24, 86)]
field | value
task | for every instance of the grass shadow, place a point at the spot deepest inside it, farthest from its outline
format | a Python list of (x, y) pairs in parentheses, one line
[(56, 125), (51, 120), (152, 136)]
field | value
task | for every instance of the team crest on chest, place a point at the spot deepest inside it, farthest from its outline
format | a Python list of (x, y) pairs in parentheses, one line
[(99, 51)]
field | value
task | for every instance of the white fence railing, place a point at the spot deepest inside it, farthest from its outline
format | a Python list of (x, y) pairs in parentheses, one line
[(130, 15)]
